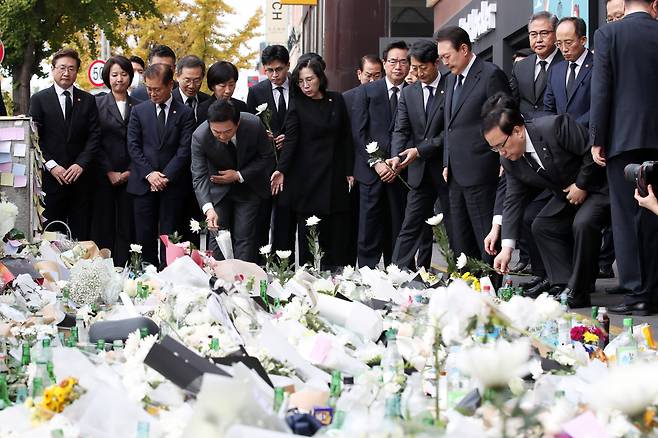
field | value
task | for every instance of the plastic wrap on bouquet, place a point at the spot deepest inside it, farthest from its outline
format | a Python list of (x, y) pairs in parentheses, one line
[(234, 269), (225, 243), (326, 351), (224, 402), (174, 252), (184, 272), (352, 315)]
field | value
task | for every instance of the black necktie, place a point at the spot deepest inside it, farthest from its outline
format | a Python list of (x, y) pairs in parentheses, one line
[(162, 120), (571, 80), (540, 81), (68, 106), (281, 106), (534, 164), (430, 100), (191, 102), (233, 153), (455, 95), (393, 101)]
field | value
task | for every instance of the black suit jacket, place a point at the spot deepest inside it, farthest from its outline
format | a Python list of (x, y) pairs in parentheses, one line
[(113, 152), (202, 109), (148, 152), (466, 152), (577, 105), (414, 129), (255, 162), (563, 149), (624, 91), (66, 145), (262, 93), (522, 84), (3, 109)]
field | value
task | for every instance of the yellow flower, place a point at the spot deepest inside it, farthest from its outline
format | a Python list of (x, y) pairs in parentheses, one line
[(590, 338)]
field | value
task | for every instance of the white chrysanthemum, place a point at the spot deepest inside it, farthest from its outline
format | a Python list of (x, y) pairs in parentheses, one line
[(435, 220), (372, 147), (628, 389), (195, 226), (312, 221), (324, 285), (265, 250), (453, 308), (137, 249), (283, 254), (493, 365), (260, 108), (8, 213), (461, 261)]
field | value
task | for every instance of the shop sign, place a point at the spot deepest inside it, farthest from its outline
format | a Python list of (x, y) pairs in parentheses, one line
[(481, 21)]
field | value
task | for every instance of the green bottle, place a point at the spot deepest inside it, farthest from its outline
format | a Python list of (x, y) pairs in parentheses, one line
[(37, 387), (214, 344), (143, 332), (4, 392), (263, 294), (627, 351), (595, 313), (73, 336), (117, 345), (278, 399), (50, 369), (25, 358), (336, 388), (57, 433), (100, 345)]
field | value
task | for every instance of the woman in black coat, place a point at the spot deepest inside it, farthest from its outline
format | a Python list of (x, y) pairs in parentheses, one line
[(112, 208), (316, 164)]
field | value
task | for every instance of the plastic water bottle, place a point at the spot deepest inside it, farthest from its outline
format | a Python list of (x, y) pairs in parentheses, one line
[(392, 363)]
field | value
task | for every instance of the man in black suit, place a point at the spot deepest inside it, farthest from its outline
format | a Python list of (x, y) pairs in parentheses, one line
[(370, 69), (159, 136), (381, 194), (277, 94), (159, 54), (417, 139), (469, 167), (69, 133), (623, 131), (550, 153), (232, 159), (190, 71)]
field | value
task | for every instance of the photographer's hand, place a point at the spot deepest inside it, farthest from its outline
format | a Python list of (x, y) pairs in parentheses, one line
[(649, 202)]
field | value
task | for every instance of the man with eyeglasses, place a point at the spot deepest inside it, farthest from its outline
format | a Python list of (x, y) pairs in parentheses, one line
[(69, 135), (381, 194), (190, 71), (549, 154)]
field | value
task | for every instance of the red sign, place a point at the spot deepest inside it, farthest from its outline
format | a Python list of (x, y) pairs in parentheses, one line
[(95, 73), (2, 52)]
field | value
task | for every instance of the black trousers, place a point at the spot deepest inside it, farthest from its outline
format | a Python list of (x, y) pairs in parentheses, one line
[(529, 214), (283, 224), (634, 230), (157, 213), (471, 211), (334, 242), (415, 235), (381, 212), (113, 220), (239, 215), (569, 242), (607, 256), (69, 203)]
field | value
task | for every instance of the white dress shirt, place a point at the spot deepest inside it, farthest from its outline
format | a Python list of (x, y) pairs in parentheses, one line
[(579, 63), (548, 60), (121, 105), (208, 205), (157, 114), (466, 71), (529, 149), (50, 164), (426, 91), (286, 93), (186, 99), (389, 87)]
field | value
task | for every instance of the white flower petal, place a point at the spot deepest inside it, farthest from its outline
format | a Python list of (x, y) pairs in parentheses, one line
[(312, 221), (461, 261), (435, 220)]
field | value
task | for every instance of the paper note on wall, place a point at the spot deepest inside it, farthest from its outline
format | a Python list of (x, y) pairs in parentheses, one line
[(5, 167), (18, 169), (19, 149), (5, 147), (5, 158), (6, 179), (12, 134), (20, 181)]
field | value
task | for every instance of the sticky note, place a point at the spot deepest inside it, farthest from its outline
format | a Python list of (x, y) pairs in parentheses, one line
[(5, 167), (12, 134), (6, 179), (5, 147), (19, 149), (5, 158), (18, 169), (20, 181)]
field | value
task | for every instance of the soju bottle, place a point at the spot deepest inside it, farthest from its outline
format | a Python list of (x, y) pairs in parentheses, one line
[(57, 433), (25, 358), (50, 369), (627, 350), (37, 387), (336, 388), (143, 429), (278, 399), (4, 392), (143, 332), (117, 345), (392, 363), (100, 345), (42, 357), (3, 358), (214, 344), (73, 337)]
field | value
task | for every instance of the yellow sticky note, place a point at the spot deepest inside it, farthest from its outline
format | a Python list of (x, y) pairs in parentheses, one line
[(6, 179)]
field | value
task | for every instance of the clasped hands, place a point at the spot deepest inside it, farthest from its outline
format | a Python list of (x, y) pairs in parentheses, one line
[(67, 176)]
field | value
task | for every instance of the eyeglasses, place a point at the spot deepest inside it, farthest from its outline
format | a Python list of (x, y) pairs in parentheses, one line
[(567, 43), (64, 68), (541, 33), (393, 61), (500, 147), (308, 80), (188, 81), (275, 70)]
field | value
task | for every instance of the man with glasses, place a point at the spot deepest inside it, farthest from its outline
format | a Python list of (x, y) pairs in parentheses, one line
[(549, 153), (190, 71), (69, 135)]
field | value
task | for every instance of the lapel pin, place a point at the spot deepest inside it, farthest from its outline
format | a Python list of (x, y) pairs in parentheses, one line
[(442, 91), (174, 111), (586, 65), (78, 99)]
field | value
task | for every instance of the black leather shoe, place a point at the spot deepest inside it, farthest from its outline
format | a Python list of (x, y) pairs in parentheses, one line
[(617, 290), (519, 266), (556, 290), (638, 309), (538, 289), (534, 281), (576, 300), (606, 272)]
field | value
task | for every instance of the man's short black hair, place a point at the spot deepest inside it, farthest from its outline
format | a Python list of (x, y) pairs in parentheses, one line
[(312, 56), (456, 35), (220, 73), (137, 60), (424, 51), (370, 58), (161, 51), (578, 23), (159, 71), (273, 53), (122, 62), (394, 45), (190, 61), (222, 111), (66, 53), (544, 15), (501, 111)]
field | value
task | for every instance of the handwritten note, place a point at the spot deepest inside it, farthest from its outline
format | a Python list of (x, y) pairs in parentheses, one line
[(18, 169), (12, 134), (5, 167), (19, 149), (20, 181), (5, 147), (6, 179), (5, 158)]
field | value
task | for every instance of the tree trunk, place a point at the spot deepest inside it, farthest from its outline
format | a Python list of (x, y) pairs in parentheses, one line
[(21, 80)]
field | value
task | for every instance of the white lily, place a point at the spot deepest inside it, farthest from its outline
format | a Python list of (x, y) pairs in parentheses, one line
[(461, 261), (372, 147), (312, 221), (265, 250), (435, 220), (283, 254), (260, 108), (137, 249)]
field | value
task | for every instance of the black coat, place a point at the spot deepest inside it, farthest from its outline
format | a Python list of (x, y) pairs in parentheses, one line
[(262, 93), (202, 109), (113, 151), (522, 84), (317, 155), (624, 91)]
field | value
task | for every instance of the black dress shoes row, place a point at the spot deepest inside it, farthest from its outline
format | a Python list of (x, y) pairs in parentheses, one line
[(576, 300), (637, 309)]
